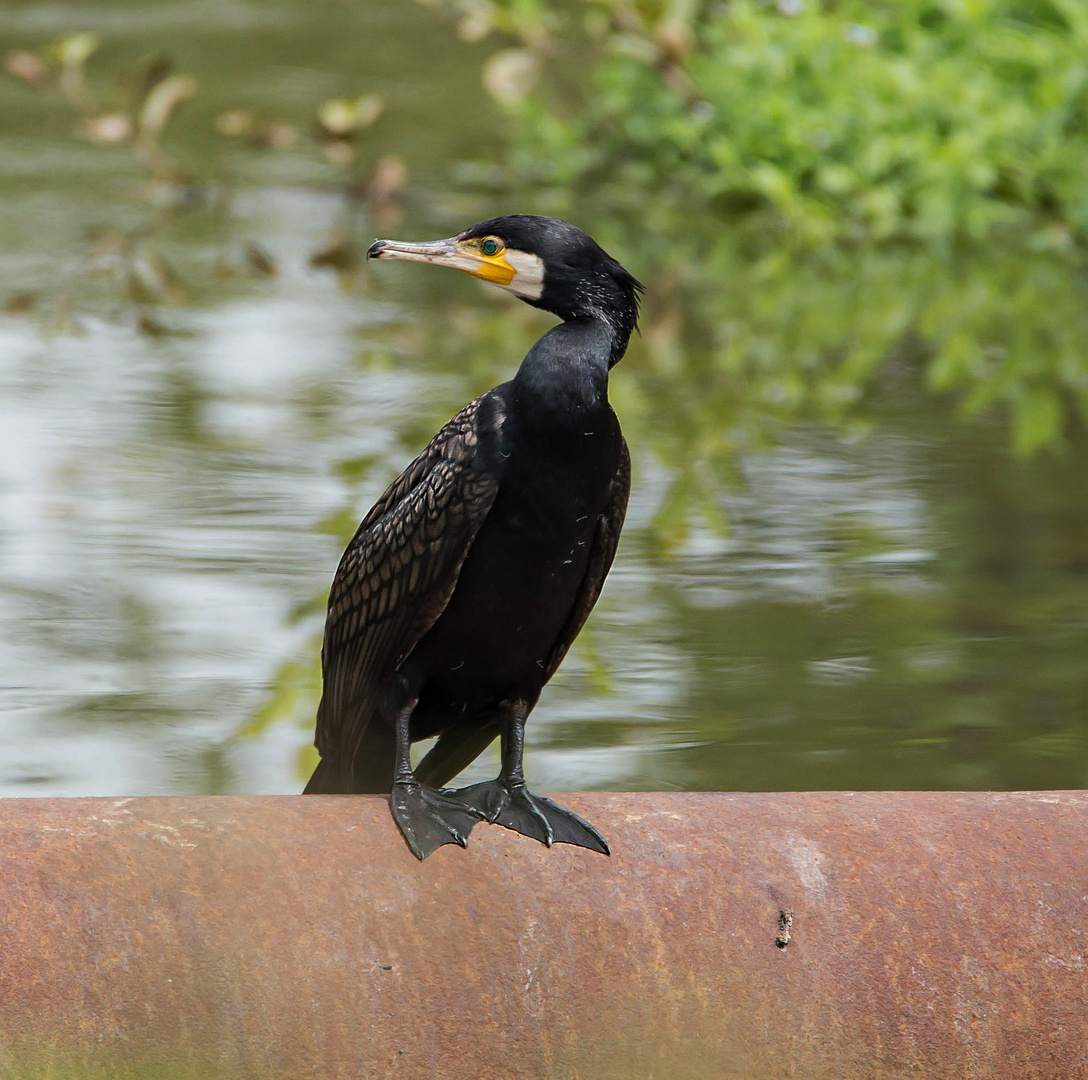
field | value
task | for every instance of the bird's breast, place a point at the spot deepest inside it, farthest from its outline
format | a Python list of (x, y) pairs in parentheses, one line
[(522, 575)]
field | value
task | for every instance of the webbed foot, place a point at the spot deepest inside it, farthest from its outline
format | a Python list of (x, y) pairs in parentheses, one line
[(534, 816), (428, 818)]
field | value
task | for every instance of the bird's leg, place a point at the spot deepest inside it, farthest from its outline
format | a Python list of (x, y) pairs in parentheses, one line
[(427, 818), (507, 801)]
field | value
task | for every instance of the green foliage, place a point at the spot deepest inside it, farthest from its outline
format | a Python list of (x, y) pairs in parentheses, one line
[(815, 189), (924, 120)]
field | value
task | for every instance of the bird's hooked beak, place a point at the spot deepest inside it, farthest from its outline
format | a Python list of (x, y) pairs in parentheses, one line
[(452, 252)]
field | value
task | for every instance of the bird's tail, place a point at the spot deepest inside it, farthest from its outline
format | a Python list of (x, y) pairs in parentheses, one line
[(326, 780), (371, 772)]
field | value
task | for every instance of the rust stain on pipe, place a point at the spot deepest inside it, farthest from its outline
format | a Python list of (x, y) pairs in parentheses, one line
[(839, 936)]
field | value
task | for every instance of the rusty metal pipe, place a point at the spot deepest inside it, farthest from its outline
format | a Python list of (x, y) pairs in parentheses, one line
[(841, 936)]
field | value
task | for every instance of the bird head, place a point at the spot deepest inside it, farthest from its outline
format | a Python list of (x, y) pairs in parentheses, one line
[(548, 263)]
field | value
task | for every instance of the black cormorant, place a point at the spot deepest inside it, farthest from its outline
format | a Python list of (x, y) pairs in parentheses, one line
[(469, 579)]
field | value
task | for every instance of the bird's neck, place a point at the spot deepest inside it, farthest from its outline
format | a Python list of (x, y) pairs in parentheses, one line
[(566, 371)]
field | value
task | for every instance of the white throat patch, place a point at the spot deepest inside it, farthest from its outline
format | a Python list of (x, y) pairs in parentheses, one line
[(528, 279)]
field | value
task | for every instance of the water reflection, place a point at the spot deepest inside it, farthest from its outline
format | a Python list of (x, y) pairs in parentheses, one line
[(889, 600), (157, 503)]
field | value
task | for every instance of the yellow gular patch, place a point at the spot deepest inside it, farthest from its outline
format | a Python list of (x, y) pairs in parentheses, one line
[(493, 268)]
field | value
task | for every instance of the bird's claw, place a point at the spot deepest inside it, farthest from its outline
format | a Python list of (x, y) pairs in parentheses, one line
[(516, 808), (429, 818)]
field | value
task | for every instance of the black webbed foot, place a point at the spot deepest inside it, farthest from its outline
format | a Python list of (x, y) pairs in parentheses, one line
[(534, 816), (428, 818)]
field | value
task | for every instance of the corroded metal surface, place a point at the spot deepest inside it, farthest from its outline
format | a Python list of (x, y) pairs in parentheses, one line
[(871, 935)]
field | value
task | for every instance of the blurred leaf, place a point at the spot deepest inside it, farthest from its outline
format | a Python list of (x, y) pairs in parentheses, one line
[(155, 70), (152, 327), (234, 122), (343, 524), (672, 521), (74, 50), (109, 129), (341, 254), (27, 66), (151, 279), (20, 304), (389, 178), (1037, 419), (355, 469), (258, 261), (510, 75), (295, 689), (276, 136), (161, 102), (385, 190), (306, 762), (346, 116), (339, 152), (477, 20)]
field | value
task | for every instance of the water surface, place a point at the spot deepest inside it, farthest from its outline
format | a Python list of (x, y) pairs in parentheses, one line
[(894, 601)]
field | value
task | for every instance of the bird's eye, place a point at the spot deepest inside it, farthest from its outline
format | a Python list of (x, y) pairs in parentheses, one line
[(491, 246)]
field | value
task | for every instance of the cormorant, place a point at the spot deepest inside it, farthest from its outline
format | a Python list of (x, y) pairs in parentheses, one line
[(469, 579)]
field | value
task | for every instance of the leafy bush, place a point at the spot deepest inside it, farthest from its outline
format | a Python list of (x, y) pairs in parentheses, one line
[(923, 119), (815, 188)]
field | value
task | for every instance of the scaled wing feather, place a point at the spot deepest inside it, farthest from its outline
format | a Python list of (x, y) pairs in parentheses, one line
[(397, 576)]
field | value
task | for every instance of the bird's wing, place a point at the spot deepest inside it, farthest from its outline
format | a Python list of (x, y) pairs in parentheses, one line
[(397, 576), (601, 555)]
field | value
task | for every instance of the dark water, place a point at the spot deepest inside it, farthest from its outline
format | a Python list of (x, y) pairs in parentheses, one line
[(892, 601)]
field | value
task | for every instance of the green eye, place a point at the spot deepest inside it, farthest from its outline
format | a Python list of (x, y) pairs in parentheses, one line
[(491, 246)]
